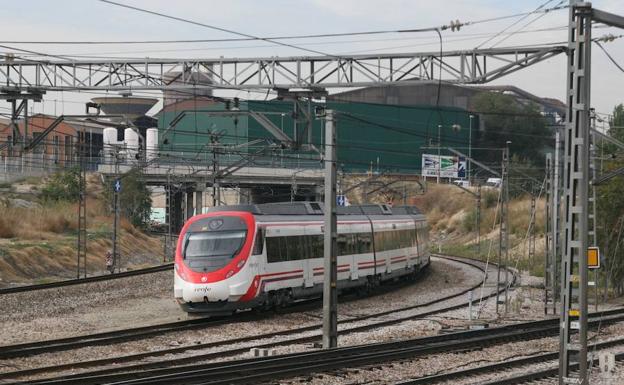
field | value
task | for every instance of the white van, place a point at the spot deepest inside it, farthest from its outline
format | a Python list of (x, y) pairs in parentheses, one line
[(494, 182)]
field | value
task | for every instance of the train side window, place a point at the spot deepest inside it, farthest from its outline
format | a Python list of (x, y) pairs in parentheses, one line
[(317, 246), (353, 243), (273, 249), (380, 241), (257, 249), (291, 247), (296, 247), (407, 238), (363, 243), (341, 244)]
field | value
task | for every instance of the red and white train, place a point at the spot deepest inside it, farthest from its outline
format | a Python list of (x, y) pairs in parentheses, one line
[(261, 256)]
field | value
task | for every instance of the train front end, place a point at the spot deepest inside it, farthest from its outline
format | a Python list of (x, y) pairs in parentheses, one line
[(214, 263)]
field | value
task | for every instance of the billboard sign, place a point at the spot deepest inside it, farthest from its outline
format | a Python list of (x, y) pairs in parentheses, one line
[(446, 166)]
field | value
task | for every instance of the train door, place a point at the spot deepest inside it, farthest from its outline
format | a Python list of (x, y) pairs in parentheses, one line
[(259, 254), (310, 263)]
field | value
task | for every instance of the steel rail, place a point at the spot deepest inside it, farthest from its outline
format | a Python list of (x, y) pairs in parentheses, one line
[(116, 336), (79, 281), (540, 374), (230, 352), (503, 365), (123, 335), (270, 368)]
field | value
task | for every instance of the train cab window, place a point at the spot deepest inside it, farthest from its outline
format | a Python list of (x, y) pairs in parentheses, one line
[(210, 251), (257, 249)]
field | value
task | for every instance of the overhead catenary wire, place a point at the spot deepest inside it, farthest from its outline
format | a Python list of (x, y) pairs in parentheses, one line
[(609, 56), (523, 17), (524, 26), (252, 38), (466, 37)]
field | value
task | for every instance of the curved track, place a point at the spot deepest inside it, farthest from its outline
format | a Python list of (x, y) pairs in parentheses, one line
[(78, 281), (458, 303), (252, 371)]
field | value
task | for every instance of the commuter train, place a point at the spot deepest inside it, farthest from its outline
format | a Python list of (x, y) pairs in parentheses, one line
[(269, 255)]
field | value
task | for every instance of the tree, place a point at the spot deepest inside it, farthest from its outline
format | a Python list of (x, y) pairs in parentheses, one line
[(62, 186), (610, 205), (504, 118), (135, 202)]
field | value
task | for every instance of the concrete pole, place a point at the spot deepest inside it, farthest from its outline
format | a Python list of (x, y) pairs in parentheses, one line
[(439, 156), (199, 200), (556, 212), (505, 220), (478, 221), (115, 211), (470, 150), (189, 204), (330, 292)]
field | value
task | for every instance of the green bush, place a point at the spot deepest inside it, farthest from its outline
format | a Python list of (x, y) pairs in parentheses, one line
[(469, 222), (62, 186), (135, 202), (489, 198)]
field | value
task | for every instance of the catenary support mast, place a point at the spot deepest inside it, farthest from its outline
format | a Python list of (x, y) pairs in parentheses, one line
[(330, 292), (573, 333)]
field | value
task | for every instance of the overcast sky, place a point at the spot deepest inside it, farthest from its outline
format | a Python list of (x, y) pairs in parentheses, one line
[(94, 20)]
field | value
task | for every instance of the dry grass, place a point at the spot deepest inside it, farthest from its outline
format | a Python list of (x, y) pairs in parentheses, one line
[(37, 223), (451, 210), (40, 242)]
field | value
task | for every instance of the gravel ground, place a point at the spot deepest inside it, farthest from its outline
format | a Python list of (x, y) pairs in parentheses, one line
[(81, 309), (525, 303), (405, 370), (428, 287)]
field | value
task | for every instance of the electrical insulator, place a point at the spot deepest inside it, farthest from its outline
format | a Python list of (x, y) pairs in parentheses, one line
[(455, 25)]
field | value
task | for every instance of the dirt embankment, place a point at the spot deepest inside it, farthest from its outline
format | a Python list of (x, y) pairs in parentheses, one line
[(38, 239)]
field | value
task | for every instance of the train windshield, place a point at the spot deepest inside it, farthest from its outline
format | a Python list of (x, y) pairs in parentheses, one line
[(210, 251)]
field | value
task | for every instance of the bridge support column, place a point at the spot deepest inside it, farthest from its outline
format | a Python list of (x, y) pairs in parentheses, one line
[(189, 205), (199, 200)]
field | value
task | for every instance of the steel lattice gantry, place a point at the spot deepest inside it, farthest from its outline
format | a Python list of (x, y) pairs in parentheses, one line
[(471, 66), (574, 274)]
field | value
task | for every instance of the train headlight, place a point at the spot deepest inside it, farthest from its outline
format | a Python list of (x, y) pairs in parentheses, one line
[(204, 279), (229, 274), (240, 263)]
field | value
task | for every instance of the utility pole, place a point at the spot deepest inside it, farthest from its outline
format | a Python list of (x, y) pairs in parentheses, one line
[(81, 250), (439, 155), (593, 232), (116, 189), (478, 220), (216, 190), (330, 292), (549, 257), (556, 220), (531, 248), (471, 116), (503, 248)]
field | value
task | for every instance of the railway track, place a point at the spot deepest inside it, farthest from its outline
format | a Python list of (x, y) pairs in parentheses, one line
[(79, 281), (63, 345), (551, 373), (117, 336), (251, 371), (499, 368)]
